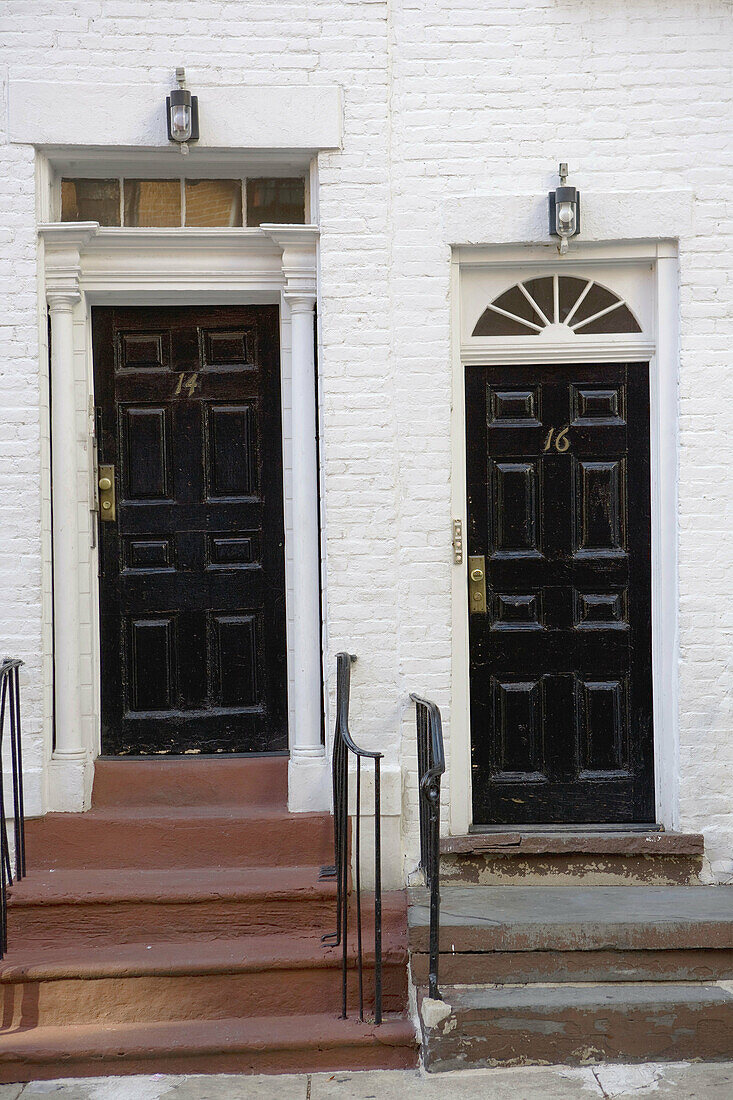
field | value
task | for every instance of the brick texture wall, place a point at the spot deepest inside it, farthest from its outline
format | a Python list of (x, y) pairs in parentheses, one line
[(440, 100)]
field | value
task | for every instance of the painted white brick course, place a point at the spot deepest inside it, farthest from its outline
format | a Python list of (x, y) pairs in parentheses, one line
[(440, 101)]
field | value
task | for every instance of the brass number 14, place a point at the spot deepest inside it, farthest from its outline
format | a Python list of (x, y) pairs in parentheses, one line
[(561, 440)]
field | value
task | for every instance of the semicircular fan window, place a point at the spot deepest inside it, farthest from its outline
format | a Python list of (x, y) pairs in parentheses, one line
[(534, 306)]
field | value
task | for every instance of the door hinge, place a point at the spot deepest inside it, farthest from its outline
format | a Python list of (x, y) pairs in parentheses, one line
[(457, 542)]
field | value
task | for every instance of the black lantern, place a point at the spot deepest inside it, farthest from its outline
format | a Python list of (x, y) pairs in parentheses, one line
[(182, 110), (564, 211)]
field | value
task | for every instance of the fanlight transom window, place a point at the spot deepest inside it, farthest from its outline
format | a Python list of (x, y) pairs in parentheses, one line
[(552, 302)]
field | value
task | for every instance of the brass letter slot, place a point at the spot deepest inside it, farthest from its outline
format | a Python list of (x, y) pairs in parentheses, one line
[(476, 584), (107, 510)]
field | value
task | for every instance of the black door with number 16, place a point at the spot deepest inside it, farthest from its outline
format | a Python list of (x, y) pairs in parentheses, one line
[(560, 660)]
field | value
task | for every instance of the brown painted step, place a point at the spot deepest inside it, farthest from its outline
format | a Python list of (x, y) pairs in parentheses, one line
[(286, 1044), (179, 836), (194, 980), (191, 781), (575, 1024), (522, 967), (589, 858), (68, 907)]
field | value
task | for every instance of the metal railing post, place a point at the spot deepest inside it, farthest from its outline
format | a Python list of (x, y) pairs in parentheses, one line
[(342, 745), (10, 704), (431, 766)]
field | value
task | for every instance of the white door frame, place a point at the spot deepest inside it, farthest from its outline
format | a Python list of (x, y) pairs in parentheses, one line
[(84, 265), (657, 344)]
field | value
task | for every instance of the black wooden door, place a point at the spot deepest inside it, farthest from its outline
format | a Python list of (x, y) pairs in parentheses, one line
[(560, 663), (192, 596)]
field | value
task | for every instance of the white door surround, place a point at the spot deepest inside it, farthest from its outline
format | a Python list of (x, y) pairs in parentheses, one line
[(83, 266), (645, 275)]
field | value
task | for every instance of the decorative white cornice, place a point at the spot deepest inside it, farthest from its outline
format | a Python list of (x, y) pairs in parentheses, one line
[(64, 245), (298, 244), (171, 265), (490, 351)]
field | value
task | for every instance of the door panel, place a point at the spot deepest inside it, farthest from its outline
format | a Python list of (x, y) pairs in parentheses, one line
[(560, 662), (192, 596)]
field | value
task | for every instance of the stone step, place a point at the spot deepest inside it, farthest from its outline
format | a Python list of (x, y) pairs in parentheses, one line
[(196, 979), (481, 1026), (281, 1044), (589, 858), (519, 967), (556, 918), (147, 837), (191, 781), (67, 907)]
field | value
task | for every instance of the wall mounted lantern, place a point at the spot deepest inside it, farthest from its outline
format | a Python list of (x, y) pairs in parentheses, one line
[(182, 110), (564, 211)]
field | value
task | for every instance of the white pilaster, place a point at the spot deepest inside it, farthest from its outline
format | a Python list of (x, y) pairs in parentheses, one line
[(71, 758), (308, 772)]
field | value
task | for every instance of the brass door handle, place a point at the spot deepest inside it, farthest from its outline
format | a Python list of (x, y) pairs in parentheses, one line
[(477, 574), (107, 510)]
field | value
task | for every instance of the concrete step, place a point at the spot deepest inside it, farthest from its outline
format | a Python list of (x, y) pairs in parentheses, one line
[(196, 979), (289, 1044), (91, 906), (581, 858), (596, 918), (148, 837), (481, 1026), (191, 781)]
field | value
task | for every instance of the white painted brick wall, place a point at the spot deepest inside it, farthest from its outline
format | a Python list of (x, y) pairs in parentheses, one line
[(440, 100)]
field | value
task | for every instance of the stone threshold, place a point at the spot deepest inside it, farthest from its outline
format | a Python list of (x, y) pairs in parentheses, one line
[(586, 842)]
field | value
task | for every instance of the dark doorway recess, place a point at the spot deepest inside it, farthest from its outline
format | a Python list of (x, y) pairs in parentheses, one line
[(192, 589), (560, 661)]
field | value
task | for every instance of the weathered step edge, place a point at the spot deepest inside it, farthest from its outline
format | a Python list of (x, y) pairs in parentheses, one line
[(480, 1027), (265, 1045), (584, 843), (521, 967)]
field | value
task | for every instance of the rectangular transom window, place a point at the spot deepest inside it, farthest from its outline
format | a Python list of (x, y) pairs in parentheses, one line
[(184, 202)]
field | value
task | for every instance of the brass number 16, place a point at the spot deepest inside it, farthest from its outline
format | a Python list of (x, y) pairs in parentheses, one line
[(561, 440)]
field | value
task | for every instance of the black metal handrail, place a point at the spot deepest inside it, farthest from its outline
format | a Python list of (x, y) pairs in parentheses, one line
[(343, 744), (10, 704), (430, 767)]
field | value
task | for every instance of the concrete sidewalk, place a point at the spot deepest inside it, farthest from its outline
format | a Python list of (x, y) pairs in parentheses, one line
[(681, 1080)]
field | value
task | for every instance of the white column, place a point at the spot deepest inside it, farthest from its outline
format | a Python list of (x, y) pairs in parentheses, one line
[(65, 526), (306, 675), (70, 771), (309, 783)]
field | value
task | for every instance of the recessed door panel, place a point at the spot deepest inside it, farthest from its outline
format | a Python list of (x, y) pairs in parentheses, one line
[(514, 506), (231, 450), (600, 506), (192, 590), (151, 663), (145, 453), (560, 660), (519, 719)]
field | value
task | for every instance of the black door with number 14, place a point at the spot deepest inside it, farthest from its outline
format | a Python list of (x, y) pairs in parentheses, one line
[(192, 589), (560, 661)]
